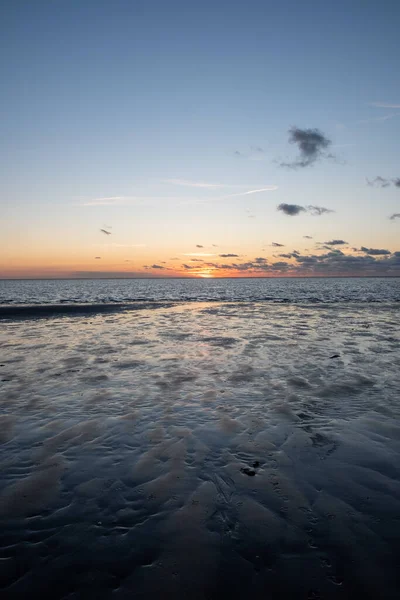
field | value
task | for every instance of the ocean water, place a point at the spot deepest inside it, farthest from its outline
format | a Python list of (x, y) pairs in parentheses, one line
[(265, 290), (200, 439)]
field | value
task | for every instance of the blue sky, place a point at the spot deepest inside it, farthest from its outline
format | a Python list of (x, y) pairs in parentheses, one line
[(114, 99)]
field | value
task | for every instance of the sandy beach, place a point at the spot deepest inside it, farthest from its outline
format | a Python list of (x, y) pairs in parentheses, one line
[(200, 450)]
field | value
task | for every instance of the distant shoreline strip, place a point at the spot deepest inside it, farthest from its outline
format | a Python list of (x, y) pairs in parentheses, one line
[(52, 310)]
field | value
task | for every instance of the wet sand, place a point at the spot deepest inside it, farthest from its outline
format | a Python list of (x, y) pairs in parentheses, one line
[(201, 451)]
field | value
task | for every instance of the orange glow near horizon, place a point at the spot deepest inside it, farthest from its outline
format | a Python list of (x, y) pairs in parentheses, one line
[(90, 258)]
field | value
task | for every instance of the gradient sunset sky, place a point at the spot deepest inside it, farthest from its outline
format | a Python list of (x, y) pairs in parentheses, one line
[(215, 138)]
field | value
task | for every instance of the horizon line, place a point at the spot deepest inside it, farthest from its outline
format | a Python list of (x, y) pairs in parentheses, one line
[(200, 278)]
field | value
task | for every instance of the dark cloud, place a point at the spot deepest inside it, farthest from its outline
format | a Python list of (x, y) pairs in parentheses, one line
[(335, 243), (307, 237), (279, 266), (311, 144), (154, 267), (291, 209), (394, 216), (336, 263), (228, 255), (199, 246), (332, 263), (375, 251), (258, 265), (378, 182), (187, 267), (214, 245), (97, 257), (105, 231), (396, 182), (343, 264), (219, 266), (247, 266), (318, 210), (276, 245), (197, 260), (295, 209)]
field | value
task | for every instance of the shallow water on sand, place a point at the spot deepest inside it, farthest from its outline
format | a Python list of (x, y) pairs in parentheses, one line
[(201, 451)]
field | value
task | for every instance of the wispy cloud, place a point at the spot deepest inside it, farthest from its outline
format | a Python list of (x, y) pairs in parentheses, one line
[(129, 201), (229, 255), (210, 186), (394, 216), (195, 184), (254, 153), (318, 210), (379, 119), (268, 188), (384, 105), (378, 182), (105, 232), (382, 182)]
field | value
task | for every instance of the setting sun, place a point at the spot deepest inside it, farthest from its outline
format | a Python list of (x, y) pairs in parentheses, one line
[(206, 274)]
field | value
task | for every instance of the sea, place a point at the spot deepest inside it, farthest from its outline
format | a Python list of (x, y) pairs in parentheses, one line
[(200, 438)]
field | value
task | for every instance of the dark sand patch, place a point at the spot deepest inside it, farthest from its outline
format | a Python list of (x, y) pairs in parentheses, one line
[(33, 493)]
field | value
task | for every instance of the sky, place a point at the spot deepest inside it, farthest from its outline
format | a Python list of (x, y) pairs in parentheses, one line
[(171, 138)]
